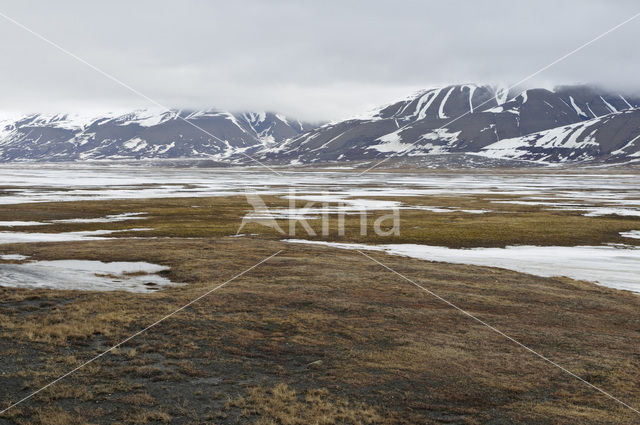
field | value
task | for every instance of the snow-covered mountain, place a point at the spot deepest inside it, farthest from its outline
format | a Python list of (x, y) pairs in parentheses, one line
[(142, 134), (467, 119), (566, 124), (613, 138)]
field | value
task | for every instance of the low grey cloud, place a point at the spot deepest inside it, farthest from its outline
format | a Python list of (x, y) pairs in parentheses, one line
[(313, 60)]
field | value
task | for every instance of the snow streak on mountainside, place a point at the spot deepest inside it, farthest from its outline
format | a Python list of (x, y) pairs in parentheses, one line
[(142, 134)]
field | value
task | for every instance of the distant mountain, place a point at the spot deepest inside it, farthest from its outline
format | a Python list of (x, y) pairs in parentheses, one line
[(613, 138), (567, 124), (142, 134), (467, 119)]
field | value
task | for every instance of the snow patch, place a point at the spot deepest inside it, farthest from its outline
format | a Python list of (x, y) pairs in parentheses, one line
[(13, 257), (635, 234), (441, 113), (91, 235), (282, 118), (392, 142), (608, 105), (427, 98), (85, 275), (20, 223), (577, 108), (501, 94), (106, 219), (442, 134), (146, 117), (472, 89), (135, 144), (615, 267), (625, 101), (592, 113)]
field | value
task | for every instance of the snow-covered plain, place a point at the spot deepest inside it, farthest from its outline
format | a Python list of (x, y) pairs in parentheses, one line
[(615, 267), (589, 193), (586, 193)]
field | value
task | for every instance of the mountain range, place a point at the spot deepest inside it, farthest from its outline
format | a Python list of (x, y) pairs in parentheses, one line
[(142, 134), (567, 124)]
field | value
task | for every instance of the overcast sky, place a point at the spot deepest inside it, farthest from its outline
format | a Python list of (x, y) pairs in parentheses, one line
[(311, 59)]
